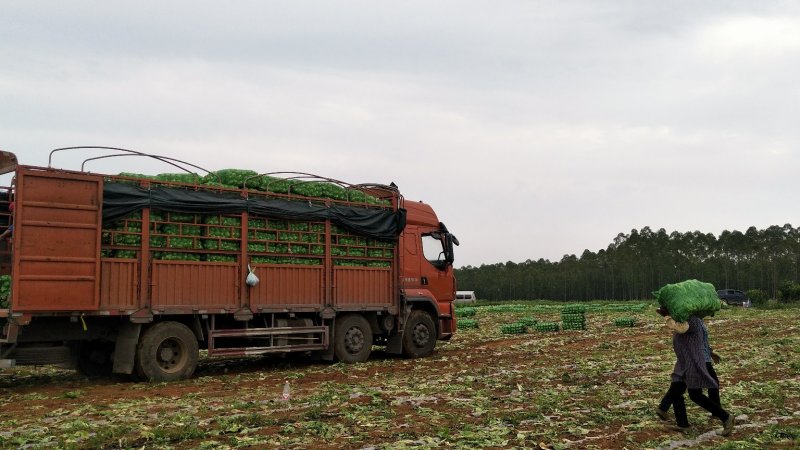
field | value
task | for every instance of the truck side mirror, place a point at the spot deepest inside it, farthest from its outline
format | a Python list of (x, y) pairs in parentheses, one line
[(449, 240)]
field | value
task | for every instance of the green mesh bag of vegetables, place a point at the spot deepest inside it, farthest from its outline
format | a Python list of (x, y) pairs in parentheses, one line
[(175, 256), (574, 309), (625, 322), (233, 178), (467, 323), (379, 264), (513, 328), (5, 290), (188, 178), (136, 175), (547, 326), (220, 258), (573, 321), (688, 298), (465, 312), (274, 185)]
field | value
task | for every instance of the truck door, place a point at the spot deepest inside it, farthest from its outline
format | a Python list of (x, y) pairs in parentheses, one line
[(435, 271), (57, 241)]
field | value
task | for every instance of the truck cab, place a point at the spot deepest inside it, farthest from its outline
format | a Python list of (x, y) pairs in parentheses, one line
[(426, 279)]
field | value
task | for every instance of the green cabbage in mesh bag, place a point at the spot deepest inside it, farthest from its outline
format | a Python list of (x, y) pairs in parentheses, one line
[(467, 323), (547, 326), (184, 177), (628, 322), (233, 178), (5, 290), (688, 298)]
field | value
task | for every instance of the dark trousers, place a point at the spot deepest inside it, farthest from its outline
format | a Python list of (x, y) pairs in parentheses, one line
[(713, 393), (674, 397)]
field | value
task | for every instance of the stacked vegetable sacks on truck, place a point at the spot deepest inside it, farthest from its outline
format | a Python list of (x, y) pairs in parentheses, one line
[(216, 237), (688, 298)]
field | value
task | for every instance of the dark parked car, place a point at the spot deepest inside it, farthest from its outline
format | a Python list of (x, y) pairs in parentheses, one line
[(733, 297)]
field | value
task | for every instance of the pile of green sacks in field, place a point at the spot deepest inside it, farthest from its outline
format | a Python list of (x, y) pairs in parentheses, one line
[(573, 317), (237, 178), (688, 298)]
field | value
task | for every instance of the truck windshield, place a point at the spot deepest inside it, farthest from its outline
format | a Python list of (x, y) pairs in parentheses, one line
[(433, 249)]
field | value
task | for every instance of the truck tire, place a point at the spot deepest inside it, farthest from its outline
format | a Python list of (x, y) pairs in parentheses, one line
[(352, 339), (167, 351), (419, 335)]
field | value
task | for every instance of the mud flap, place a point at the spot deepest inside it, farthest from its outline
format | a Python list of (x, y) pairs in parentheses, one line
[(395, 344), (125, 348), (327, 354)]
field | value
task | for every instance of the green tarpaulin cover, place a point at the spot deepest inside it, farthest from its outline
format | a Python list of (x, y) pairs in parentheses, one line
[(688, 298)]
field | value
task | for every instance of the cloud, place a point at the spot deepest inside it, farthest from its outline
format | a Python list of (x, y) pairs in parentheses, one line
[(534, 129), (750, 38)]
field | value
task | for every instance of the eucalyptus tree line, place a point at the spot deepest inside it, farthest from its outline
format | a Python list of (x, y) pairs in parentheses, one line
[(635, 264)]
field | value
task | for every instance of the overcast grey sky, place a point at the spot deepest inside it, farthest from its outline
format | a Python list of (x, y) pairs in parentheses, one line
[(534, 128)]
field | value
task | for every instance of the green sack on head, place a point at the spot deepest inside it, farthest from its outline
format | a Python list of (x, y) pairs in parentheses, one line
[(688, 298)]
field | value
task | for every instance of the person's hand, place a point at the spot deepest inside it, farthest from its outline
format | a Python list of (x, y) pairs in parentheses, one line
[(678, 327)]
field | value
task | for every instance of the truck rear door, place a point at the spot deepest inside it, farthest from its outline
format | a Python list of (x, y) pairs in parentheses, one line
[(56, 241)]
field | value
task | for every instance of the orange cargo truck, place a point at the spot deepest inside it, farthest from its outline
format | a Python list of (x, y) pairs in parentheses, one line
[(134, 275)]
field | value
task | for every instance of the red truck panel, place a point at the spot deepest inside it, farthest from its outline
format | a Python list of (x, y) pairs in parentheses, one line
[(119, 284), (284, 286), (194, 285), (362, 286), (57, 240)]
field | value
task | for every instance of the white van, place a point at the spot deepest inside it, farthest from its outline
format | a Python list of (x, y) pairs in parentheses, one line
[(465, 297)]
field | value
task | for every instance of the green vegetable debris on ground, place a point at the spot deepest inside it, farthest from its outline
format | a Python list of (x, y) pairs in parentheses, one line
[(590, 389)]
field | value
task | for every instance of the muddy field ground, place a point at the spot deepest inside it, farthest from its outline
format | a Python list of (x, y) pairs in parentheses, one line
[(595, 388)]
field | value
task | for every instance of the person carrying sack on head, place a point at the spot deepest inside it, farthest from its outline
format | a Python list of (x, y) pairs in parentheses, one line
[(691, 372)]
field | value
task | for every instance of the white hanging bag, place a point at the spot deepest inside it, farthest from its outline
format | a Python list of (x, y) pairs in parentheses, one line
[(252, 280)]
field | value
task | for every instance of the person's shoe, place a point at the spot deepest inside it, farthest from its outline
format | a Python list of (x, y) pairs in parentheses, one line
[(680, 429), (663, 415), (727, 426)]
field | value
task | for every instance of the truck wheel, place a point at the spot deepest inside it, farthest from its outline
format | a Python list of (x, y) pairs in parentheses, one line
[(167, 351), (419, 336), (95, 358), (352, 338)]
